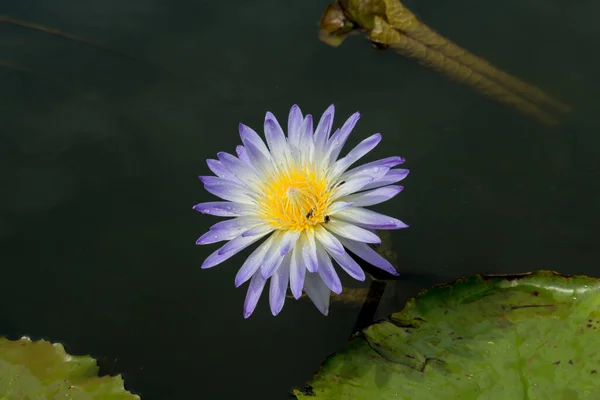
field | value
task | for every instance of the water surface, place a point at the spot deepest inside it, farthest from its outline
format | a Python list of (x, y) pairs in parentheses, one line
[(99, 155)]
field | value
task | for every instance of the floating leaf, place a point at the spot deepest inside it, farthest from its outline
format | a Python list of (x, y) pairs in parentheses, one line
[(528, 336), (42, 370)]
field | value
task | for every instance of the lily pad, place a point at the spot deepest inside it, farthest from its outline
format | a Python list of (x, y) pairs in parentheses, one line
[(43, 370), (528, 336)]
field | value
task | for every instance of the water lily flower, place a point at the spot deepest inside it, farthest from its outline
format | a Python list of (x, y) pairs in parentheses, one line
[(295, 192)]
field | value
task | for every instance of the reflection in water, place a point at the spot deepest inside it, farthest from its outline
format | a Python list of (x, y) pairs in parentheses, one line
[(389, 24), (55, 32)]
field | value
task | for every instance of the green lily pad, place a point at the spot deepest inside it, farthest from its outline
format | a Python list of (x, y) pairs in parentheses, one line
[(529, 336), (41, 370)]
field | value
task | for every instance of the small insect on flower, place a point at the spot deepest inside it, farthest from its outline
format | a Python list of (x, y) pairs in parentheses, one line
[(295, 192)]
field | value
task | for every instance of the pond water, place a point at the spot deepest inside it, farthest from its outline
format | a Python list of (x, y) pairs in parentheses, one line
[(100, 149)]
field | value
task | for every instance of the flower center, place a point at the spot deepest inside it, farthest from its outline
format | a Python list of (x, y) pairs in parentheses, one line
[(295, 198)]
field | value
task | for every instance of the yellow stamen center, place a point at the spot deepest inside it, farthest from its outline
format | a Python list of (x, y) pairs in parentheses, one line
[(295, 198)]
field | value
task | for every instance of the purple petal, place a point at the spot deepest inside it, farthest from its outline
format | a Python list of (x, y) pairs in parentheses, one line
[(275, 136), (370, 219), (272, 259), (350, 231), (238, 244), (375, 172), (220, 235), (248, 135), (356, 153), (297, 273), (258, 230), (219, 170), (388, 163), (225, 208), (338, 206), (213, 180), (328, 241), (327, 272), (306, 143), (257, 283), (257, 158), (270, 266), (324, 127), (279, 284), (369, 255), (242, 155), (237, 167), (226, 189), (351, 186), (309, 251), (337, 141), (288, 241), (349, 265), (253, 262), (318, 292), (241, 222), (307, 126), (373, 197), (227, 251), (295, 120), (377, 169), (392, 176)]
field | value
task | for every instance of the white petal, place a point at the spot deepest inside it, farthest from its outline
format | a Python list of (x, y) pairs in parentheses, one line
[(351, 186), (220, 235), (297, 272), (327, 271), (306, 144), (317, 291), (257, 283), (375, 172), (258, 230), (279, 284), (365, 252), (369, 219), (356, 153), (272, 259), (309, 251), (227, 190), (374, 167), (282, 245), (220, 170), (351, 231), (288, 241), (242, 155), (239, 243), (374, 196), (349, 265), (329, 241), (253, 262), (338, 206), (225, 208), (246, 222), (261, 163), (392, 176), (337, 141), (248, 135), (227, 251), (295, 121), (238, 168), (322, 132), (275, 138)]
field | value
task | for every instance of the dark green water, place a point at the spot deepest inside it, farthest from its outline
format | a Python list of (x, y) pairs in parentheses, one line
[(99, 155)]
